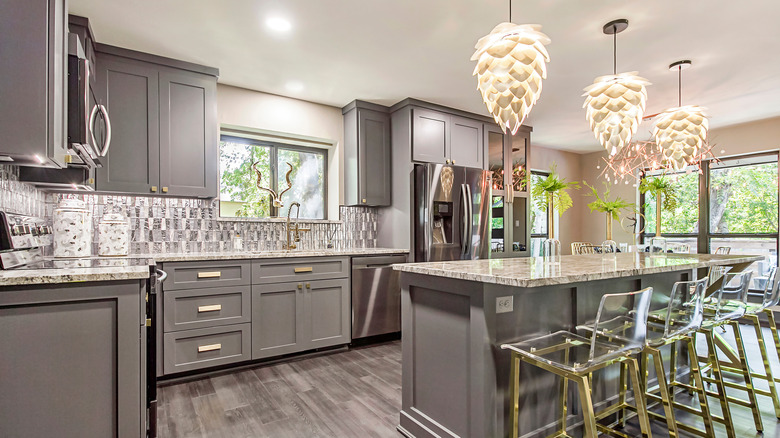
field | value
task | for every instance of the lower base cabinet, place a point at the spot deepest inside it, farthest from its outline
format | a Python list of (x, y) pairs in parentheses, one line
[(189, 350), (71, 360), (299, 316)]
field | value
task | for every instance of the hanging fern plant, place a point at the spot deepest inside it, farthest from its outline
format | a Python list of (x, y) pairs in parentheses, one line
[(553, 188), (604, 204), (661, 185)]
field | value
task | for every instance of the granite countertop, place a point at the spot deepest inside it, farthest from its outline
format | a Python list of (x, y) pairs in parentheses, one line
[(536, 271), (239, 255), (121, 268), (22, 277)]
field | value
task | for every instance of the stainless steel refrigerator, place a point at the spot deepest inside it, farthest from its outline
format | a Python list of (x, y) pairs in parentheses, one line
[(450, 213)]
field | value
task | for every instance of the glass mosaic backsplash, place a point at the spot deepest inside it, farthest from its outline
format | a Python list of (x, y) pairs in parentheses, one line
[(18, 197), (173, 225)]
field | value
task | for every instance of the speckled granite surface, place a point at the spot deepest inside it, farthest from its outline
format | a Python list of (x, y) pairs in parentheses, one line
[(238, 255), (72, 275), (536, 271), (117, 270)]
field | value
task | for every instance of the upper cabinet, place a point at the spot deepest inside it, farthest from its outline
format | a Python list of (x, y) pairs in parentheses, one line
[(163, 124), (367, 148), (442, 135), (33, 85)]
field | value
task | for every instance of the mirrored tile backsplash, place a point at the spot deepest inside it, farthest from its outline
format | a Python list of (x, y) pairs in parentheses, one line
[(18, 197)]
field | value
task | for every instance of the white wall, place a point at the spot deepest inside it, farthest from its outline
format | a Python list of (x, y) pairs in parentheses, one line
[(253, 109)]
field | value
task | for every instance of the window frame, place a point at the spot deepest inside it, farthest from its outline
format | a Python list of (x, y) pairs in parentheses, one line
[(274, 177)]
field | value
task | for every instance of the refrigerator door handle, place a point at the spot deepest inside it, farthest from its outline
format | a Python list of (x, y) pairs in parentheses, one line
[(467, 225)]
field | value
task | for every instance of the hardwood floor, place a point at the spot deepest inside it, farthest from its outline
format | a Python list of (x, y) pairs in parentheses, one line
[(355, 393)]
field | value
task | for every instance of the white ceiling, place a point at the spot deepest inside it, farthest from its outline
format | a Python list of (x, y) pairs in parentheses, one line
[(384, 51)]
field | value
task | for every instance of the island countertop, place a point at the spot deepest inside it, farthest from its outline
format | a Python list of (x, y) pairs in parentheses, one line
[(538, 271)]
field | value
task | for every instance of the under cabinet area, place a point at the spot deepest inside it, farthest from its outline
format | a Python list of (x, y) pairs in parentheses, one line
[(217, 313)]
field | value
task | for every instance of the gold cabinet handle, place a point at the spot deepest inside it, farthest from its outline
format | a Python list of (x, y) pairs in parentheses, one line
[(300, 285), (308, 285), (212, 274), (154, 189), (364, 201), (210, 308), (165, 189), (302, 270), (212, 347)]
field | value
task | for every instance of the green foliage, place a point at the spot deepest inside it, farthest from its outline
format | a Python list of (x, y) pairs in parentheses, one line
[(663, 186), (604, 204), (553, 188), (238, 181)]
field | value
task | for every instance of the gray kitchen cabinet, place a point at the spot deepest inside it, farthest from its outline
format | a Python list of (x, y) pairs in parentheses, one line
[(130, 91), (71, 362), (190, 350), (164, 124), (430, 136), (466, 142), (367, 154), (33, 86), (299, 316)]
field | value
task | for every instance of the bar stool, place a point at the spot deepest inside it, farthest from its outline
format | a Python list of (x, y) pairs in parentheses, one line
[(724, 308), (681, 317), (770, 298), (619, 331)]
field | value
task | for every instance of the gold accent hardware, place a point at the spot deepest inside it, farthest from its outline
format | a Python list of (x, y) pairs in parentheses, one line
[(148, 322), (300, 285), (452, 161), (154, 189), (212, 347), (308, 285), (210, 308), (301, 270), (165, 189), (364, 201), (91, 181), (68, 159), (214, 274)]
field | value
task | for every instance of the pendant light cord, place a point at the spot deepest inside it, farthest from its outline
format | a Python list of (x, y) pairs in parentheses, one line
[(510, 11), (614, 49), (679, 85)]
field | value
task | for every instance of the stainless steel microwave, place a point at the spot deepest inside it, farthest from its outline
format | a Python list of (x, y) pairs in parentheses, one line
[(89, 126)]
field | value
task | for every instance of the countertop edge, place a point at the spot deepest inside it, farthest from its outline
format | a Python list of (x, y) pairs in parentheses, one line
[(71, 275)]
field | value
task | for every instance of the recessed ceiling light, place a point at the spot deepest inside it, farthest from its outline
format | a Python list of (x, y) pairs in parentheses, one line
[(278, 24), (294, 86)]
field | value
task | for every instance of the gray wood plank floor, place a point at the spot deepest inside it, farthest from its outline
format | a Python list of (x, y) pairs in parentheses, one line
[(354, 393)]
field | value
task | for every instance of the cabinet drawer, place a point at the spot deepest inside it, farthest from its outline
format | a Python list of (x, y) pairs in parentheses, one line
[(202, 348), (210, 307), (191, 275), (299, 269)]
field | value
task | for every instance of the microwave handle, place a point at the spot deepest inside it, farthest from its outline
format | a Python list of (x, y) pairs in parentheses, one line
[(101, 151)]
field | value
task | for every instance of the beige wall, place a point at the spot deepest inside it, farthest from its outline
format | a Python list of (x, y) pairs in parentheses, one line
[(568, 164), (253, 109), (758, 136)]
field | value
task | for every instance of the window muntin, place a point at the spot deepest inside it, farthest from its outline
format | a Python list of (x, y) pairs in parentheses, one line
[(239, 194)]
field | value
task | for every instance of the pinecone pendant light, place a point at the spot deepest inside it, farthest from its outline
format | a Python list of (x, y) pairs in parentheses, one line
[(615, 104), (681, 132), (511, 64)]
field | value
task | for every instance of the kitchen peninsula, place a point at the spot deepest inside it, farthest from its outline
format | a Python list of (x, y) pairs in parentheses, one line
[(457, 314)]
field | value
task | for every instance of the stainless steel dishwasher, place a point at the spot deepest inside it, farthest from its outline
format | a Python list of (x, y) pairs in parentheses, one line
[(376, 296)]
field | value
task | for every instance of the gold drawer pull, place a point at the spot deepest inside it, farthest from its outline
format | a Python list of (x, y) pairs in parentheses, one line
[(212, 347), (301, 270), (213, 274), (211, 308)]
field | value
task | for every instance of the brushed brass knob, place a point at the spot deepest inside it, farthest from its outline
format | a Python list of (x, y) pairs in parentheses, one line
[(165, 189), (154, 189)]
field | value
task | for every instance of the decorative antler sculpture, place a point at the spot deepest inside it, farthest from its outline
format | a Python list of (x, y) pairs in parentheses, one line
[(277, 199)]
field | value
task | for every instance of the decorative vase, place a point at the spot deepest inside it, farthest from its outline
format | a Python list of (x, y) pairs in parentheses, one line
[(72, 223), (657, 215), (551, 248), (609, 225), (113, 235)]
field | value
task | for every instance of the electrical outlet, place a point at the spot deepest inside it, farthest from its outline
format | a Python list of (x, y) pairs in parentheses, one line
[(504, 304)]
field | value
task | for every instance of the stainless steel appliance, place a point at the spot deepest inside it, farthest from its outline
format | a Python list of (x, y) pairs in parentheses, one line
[(450, 214), (376, 296), (89, 127), (22, 239)]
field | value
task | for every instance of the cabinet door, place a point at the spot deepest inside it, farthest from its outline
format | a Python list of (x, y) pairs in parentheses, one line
[(327, 313), (430, 136), (466, 148), (129, 90), (373, 158), (277, 319), (188, 134)]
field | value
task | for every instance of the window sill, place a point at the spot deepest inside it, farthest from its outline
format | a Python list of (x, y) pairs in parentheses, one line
[(277, 220)]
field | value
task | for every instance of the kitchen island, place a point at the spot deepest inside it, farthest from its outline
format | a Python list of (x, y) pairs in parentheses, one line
[(455, 316)]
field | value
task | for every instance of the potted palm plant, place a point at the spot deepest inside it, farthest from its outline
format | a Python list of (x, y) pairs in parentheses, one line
[(551, 193), (662, 188), (611, 208)]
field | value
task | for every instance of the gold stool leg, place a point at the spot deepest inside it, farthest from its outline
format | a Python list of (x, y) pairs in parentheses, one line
[(515, 393), (641, 406), (712, 358), (662, 385), (621, 414), (673, 366), (773, 328), (564, 397), (588, 413), (767, 367), (748, 379), (701, 391)]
